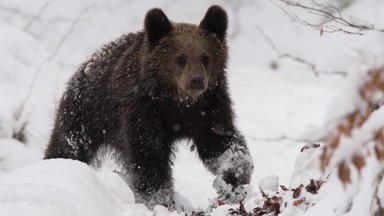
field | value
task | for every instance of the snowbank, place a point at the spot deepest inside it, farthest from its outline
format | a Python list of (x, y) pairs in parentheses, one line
[(62, 187)]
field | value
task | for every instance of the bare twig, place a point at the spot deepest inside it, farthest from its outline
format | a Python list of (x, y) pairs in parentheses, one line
[(18, 113), (334, 19), (36, 16), (48, 59), (31, 16), (281, 139), (319, 137), (12, 10), (71, 28), (376, 197), (22, 107), (311, 66)]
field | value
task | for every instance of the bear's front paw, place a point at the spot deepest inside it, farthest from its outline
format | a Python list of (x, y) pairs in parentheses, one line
[(227, 193)]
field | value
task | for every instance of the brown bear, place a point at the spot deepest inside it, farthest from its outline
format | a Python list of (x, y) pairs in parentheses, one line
[(145, 91)]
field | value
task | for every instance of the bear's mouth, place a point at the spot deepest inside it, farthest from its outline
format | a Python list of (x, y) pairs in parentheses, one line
[(186, 94), (194, 93), (190, 95)]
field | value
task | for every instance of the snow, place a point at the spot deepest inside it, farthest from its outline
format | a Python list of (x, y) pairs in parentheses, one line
[(280, 104), (15, 154), (61, 187), (269, 183)]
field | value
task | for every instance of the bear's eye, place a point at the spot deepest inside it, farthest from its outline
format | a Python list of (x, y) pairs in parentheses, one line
[(205, 60), (182, 60)]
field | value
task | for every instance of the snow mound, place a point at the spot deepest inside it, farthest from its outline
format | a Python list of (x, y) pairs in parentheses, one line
[(270, 183), (63, 187), (15, 154)]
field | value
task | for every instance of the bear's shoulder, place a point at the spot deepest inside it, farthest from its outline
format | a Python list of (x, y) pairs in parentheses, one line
[(108, 57)]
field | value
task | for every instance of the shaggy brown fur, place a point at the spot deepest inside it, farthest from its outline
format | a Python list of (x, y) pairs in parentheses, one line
[(142, 93)]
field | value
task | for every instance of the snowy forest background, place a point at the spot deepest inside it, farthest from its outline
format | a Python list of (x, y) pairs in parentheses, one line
[(306, 77)]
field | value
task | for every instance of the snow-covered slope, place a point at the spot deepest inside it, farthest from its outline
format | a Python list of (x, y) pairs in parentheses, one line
[(280, 104), (62, 187), (29, 86)]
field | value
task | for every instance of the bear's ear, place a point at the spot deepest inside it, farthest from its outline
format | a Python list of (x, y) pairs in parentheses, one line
[(157, 25), (215, 21)]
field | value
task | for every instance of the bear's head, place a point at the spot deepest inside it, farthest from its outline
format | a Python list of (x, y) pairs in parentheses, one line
[(190, 59)]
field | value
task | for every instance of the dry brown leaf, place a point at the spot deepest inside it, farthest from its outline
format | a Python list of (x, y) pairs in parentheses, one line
[(378, 79), (351, 119), (314, 186), (297, 191), (263, 193), (342, 129), (324, 158), (298, 202), (199, 213), (368, 92), (344, 173), (313, 145), (283, 188), (359, 161), (242, 209), (365, 114), (379, 151), (220, 202), (276, 198), (379, 136), (334, 143), (379, 144)]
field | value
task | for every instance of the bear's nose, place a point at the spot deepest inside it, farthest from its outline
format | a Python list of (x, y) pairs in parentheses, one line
[(196, 82)]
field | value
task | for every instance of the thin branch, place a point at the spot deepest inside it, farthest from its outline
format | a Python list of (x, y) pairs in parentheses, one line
[(11, 10), (312, 67), (71, 28), (281, 139), (50, 58), (325, 27), (19, 135), (38, 15), (335, 20), (28, 15), (22, 107), (328, 124)]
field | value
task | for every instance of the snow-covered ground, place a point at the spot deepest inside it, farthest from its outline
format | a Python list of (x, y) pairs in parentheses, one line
[(280, 104)]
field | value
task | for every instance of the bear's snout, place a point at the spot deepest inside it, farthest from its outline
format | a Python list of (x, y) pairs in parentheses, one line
[(197, 82)]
